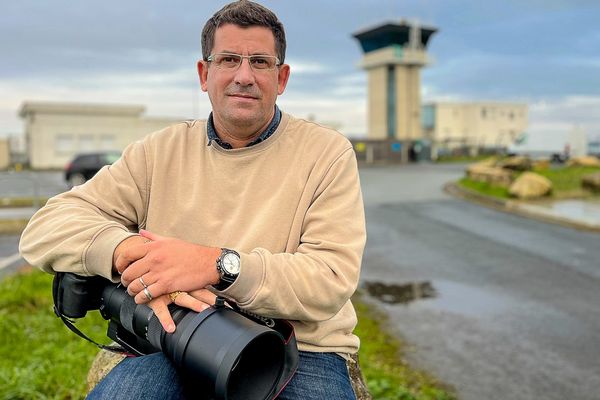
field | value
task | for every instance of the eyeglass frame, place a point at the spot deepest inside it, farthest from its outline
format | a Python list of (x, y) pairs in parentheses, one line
[(277, 62)]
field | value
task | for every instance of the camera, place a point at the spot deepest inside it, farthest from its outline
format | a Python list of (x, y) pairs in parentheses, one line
[(220, 352)]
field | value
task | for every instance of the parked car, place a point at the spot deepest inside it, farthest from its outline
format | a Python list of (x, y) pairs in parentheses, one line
[(84, 166)]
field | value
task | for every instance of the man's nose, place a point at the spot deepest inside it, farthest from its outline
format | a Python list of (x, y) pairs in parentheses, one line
[(244, 75)]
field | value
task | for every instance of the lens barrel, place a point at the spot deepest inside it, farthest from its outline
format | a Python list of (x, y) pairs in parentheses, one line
[(218, 352)]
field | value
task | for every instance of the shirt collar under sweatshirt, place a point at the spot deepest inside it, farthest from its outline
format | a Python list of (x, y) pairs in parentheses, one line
[(212, 133)]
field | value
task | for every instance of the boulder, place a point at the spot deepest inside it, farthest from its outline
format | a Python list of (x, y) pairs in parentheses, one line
[(516, 163), (491, 175), (591, 182), (530, 185), (488, 162), (584, 161), (105, 361)]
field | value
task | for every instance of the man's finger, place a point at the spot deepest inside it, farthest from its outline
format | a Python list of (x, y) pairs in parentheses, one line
[(150, 235), (162, 313), (134, 271), (204, 295), (130, 255), (149, 293), (187, 301)]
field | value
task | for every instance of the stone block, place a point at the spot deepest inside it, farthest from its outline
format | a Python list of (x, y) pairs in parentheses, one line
[(530, 185), (491, 175), (515, 163), (591, 182), (584, 161)]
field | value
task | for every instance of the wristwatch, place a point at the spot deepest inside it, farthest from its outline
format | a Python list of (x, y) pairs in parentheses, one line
[(228, 266)]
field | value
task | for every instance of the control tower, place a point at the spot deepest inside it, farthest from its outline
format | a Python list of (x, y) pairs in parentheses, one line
[(395, 52)]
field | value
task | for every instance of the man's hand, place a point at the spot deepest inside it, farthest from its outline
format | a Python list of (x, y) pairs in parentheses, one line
[(198, 300), (166, 265), (129, 250)]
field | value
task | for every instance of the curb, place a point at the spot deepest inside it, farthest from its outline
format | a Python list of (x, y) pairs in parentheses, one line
[(10, 264), (516, 207)]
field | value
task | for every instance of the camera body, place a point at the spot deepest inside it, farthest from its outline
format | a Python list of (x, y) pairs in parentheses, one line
[(221, 352)]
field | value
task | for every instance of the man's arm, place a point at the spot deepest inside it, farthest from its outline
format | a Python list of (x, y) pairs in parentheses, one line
[(78, 231)]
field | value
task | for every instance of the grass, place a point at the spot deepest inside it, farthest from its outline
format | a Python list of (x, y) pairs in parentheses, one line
[(566, 179), (12, 226), (41, 359), (461, 159), (387, 376), (10, 202), (485, 188), (566, 183)]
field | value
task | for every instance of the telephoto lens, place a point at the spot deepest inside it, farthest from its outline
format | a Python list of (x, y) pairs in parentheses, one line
[(220, 353)]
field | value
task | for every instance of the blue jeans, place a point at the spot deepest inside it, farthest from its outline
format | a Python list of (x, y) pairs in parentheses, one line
[(319, 376)]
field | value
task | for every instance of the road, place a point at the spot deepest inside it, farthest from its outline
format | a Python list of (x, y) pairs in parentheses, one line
[(498, 306)]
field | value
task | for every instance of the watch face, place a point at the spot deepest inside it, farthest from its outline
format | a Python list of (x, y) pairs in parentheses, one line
[(231, 263)]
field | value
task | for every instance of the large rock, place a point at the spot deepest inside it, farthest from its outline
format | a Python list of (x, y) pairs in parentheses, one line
[(105, 361), (516, 163), (584, 161), (491, 175), (530, 185), (591, 182)]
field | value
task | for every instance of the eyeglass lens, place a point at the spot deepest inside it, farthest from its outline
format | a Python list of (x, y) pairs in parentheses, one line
[(233, 61)]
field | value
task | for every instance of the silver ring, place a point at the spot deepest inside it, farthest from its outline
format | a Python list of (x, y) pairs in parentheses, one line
[(147, 293), (142, 282)]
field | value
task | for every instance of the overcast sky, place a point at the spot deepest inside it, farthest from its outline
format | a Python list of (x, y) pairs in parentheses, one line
[(545, 53)]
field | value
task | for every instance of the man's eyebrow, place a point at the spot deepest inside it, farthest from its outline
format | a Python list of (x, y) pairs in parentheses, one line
[(253, 54)]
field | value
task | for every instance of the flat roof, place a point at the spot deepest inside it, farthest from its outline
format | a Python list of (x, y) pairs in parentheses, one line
[(53, 107), (391, 33)]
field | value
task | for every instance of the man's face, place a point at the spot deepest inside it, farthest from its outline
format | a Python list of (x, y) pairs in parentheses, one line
[(244, 98)]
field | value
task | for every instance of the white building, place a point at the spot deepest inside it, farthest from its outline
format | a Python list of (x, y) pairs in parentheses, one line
[(473, 125), (56, 132)]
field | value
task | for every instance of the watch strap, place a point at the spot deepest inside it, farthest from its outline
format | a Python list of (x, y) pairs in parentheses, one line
[(226, 279)]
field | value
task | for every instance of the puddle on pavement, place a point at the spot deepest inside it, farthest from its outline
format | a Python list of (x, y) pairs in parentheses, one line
[(400, 294), (585, 210), (447, 296)]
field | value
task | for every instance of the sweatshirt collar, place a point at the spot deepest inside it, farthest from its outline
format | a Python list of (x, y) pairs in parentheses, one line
[(212, 133)]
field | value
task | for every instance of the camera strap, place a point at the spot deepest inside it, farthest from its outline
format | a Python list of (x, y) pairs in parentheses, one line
[(286, 330), (69, 323)]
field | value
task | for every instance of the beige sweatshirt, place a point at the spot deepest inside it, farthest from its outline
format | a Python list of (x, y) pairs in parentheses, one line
[(291, 206)]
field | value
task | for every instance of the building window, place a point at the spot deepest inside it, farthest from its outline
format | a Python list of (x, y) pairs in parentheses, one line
[(483, 113), (64, 144), (86, 143), (108, 142), (511, 115)]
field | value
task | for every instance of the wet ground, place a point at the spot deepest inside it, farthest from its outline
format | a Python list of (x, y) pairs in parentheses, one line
[(587, 211), (497, 305)]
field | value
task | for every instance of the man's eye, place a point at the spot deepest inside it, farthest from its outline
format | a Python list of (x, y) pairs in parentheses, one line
[(259, 61)]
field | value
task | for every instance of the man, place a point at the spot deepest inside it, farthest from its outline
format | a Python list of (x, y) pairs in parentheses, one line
[(252, 204)]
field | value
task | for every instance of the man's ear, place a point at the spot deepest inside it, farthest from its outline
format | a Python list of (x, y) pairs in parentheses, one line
[(284, 75), (203, 74)]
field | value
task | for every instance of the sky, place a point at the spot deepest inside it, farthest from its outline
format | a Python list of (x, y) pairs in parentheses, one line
[(545, 53)]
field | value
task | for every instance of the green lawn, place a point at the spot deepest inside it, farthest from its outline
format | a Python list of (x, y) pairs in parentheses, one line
[(388, 376), (41, 359), (567, 179)]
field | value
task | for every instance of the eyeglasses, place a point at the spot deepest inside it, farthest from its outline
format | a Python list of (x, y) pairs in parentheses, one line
[(231, 62)]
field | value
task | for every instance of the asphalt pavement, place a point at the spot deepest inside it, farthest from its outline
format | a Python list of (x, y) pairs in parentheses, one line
[(497, 305)]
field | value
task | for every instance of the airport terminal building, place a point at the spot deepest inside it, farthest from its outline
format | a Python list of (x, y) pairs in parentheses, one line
[(55, 132)]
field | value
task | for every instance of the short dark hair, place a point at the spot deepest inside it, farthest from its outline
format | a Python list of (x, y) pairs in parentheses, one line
[(244, 13)]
